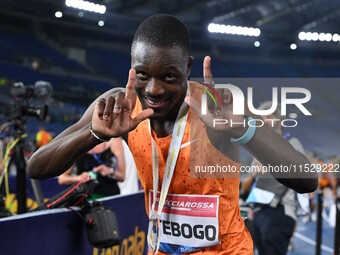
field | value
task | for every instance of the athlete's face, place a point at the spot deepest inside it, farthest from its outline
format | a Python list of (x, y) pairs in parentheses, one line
[(161, 81)]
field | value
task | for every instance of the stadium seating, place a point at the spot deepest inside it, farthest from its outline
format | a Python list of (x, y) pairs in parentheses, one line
[(21, 46), (17, 51)]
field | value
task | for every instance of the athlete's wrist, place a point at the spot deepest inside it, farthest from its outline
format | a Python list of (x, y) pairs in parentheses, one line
[(238, 128), (248, 134), (97, 134)]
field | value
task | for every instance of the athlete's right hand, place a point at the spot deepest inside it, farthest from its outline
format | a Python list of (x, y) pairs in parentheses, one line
[(112, 116)]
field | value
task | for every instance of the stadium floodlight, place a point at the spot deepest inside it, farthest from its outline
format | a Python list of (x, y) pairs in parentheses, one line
[(257, 44), (293, 46), (322, 37), (328, 37), (87, 6), (309, 36), (101, 23), (302, 36), (257, 31), (315, 36), (233, 30), (58, 14)]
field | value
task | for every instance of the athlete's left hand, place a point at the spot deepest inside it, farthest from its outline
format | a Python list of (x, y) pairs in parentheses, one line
[(219, 118)]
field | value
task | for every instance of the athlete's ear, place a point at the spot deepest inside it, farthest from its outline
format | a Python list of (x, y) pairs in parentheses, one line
[(191, 59)]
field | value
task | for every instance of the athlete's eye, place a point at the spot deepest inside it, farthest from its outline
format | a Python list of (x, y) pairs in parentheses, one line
[(142, 75), (170, 77)]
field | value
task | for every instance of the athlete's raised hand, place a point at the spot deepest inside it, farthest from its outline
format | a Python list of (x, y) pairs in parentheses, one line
[(218, 117), (112, 116)]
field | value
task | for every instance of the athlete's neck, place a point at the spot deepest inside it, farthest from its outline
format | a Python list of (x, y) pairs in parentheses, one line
[(162, 128)]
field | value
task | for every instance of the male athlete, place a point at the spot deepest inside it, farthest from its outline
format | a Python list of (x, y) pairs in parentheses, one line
[(187, 215)]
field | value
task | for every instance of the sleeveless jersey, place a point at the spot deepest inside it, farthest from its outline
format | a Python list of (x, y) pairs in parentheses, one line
[(234, 237)]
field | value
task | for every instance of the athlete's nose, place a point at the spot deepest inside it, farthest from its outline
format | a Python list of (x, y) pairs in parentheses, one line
[(154, 87)]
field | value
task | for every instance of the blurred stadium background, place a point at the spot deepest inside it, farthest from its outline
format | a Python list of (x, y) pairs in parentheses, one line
[(84, 53)]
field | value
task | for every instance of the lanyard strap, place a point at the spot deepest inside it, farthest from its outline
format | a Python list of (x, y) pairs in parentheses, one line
[(175, 145), (96, 157)]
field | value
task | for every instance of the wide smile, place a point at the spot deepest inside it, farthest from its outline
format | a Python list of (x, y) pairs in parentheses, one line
[(155, 103)]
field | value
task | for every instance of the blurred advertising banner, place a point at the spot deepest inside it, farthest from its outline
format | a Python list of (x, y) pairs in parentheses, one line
[(61, 231)]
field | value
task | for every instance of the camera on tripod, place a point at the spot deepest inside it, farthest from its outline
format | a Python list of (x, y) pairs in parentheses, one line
[(30, 100), (26, 101)]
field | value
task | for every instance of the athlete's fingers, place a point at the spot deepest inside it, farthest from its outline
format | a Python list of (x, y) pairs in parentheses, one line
[(100, 106), (218, 106), (140, 117), (227, 100), (126, 111), (193, 104), (108, 107), (227, 97), (212, 100), (130, 86), (119, 102), (207, 75), (208, 80)]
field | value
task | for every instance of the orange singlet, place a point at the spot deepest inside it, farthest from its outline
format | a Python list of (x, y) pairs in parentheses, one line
[(235, 239)]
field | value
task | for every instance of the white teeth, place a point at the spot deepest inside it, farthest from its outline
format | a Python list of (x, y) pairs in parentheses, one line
[(154, 102)]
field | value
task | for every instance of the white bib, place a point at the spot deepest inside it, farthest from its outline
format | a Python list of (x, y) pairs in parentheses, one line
[(187, 222)]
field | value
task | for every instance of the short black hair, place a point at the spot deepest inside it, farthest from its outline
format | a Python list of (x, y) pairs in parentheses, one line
[(163, 30)]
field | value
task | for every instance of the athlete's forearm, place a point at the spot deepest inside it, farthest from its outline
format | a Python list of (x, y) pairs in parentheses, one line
[(57, 156), (270, 148)]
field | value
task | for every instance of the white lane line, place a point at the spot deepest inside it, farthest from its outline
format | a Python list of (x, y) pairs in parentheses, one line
[(312, 242)]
